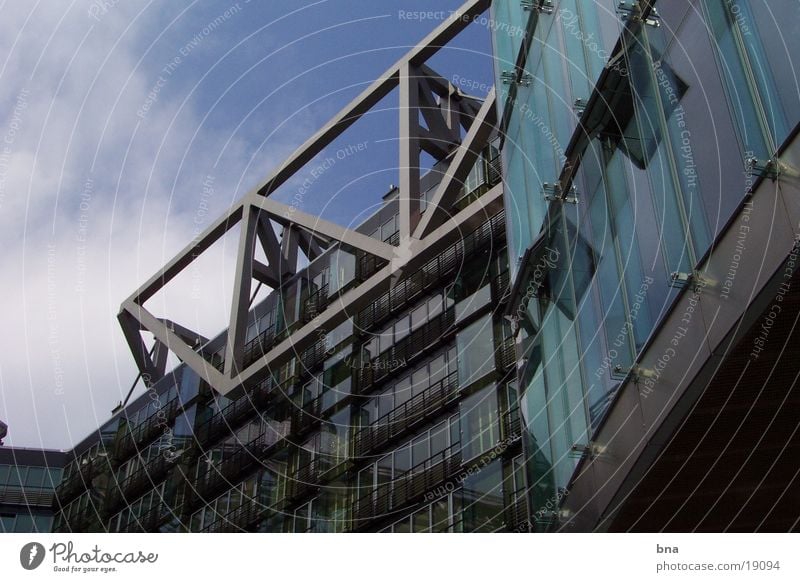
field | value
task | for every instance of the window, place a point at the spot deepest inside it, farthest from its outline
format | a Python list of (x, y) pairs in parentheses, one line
[(475, 346), (475, 302), (480, 428), (419, 316), (402, 327), (343, 270), (483, 499)]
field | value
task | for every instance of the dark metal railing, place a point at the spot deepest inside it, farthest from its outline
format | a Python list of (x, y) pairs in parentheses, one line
[(243, 518), (506, 354), (511, 425), (431, 273), (315, 303), (29, 496), (516, 515), (400, 421), (80, 480), (259, 345), (305, 417), (241, 461), (144, 478), (148, 522), (234, 414), (421, 479), (400, 354), (307, 478)]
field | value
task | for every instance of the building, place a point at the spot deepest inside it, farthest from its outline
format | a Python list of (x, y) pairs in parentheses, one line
[(374, 389), (600, 341), (27, 480), (651, 168)]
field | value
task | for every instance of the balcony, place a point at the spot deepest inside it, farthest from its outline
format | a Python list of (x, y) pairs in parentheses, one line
[(511, 425), (431, 274), (307, 478), (492, 175), (259, 345), (506, 355), (400, 354), (421, 479), (243, 518), (315, 304), (516, 515), (135, 484), (150, 521), (224, 422), (156, 424), (402, 420), (305, 418), (81, 480), (241, 462), (28, 496)]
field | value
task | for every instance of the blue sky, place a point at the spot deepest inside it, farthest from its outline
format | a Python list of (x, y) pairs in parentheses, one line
[(113, 116)]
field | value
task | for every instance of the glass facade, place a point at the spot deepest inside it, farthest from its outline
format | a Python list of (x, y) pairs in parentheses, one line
[(27, 480), (464, 397), (402, 418), (652, 129)]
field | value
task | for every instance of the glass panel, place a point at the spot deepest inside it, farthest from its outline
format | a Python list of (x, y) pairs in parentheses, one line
[(343, 270), (475, 351), (473, 303), (403, 526), (438, 438), (419, 316), (24, 523), (440, 516), (402, 461), (419, 380), (419, 450), (480, 428), (402, 390), (421, 520), (483, 499)]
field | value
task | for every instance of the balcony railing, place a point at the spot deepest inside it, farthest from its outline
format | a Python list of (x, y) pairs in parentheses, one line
[(400, 421), (431, 273), (306, 417), (150, 521), (511, 425), (240, 462), (421, 479), (232, 416), (506, 355), (315, 304), (516, 515), (243, 518), (144, 478), (307, 478), (28, 496), (400, 354), (81, 479), (142, 434)]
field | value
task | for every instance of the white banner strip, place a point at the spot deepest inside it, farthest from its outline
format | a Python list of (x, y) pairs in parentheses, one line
[(400, 557)]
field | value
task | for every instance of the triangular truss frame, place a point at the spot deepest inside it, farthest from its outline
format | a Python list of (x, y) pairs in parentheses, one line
[(433, 114)]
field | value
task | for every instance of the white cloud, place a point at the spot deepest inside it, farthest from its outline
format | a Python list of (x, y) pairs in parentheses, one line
[(91, 205)]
